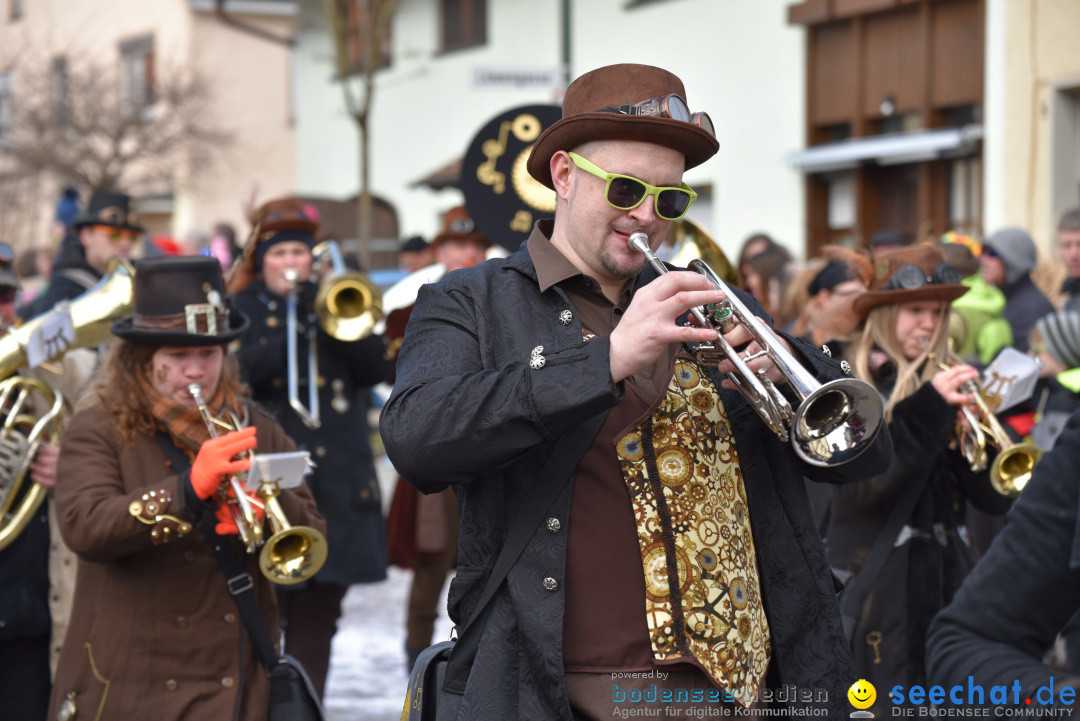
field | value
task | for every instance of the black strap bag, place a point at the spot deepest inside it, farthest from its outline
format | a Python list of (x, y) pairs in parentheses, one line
[(437, 682)]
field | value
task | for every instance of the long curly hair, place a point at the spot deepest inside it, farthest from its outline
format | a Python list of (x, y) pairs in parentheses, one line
[(118, 387)]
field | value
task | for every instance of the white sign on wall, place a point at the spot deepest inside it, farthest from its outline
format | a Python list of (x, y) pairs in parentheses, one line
[(517, 77)]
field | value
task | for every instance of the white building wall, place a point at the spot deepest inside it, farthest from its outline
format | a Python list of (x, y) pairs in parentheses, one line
[(740, 62)]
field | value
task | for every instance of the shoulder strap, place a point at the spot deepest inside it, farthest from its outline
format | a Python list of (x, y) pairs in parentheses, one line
[(528, 515), (240, 583), (859, 588)]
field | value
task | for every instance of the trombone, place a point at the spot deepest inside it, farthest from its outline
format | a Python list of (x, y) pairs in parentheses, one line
[(292, 554), (1015, 462), (347, 306), (831, 424)]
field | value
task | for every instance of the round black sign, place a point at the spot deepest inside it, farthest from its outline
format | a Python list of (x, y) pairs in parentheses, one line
[(500, 195)]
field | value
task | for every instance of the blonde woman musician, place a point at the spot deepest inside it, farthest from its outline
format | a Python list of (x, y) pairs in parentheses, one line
[(914, 512)]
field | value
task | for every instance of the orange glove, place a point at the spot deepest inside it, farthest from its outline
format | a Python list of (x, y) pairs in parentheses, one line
[(215, 460), (226, 524)]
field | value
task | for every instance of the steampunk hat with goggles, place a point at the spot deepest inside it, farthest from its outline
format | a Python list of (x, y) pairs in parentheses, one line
[(625, 102), (911, 274)]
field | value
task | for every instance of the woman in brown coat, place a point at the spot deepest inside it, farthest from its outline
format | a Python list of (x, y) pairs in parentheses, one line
[(155, 632)]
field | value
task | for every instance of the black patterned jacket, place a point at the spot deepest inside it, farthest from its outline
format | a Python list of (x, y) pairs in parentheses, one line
[(468, 410)]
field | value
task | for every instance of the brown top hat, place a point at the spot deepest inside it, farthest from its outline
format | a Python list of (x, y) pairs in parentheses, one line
[(458, 225), (591, 111), (180, 300), (908, 274)]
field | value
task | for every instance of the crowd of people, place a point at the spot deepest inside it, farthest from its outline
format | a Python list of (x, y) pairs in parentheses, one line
[(667, 538)]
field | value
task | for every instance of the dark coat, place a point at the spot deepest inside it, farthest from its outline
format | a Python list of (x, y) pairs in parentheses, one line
[(70, 277), (155, 633), (464, 374), (1024, 304), (1011, 607), (922, 572), (343, 482)]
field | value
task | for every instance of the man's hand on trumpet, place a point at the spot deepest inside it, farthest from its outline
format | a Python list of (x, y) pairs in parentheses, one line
[(649, 324), (740, 335)]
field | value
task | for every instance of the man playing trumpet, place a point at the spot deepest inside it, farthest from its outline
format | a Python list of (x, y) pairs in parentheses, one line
[(682, 555), (155, 632)]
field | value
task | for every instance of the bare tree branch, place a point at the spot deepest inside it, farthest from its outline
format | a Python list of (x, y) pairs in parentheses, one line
[(88, 136)]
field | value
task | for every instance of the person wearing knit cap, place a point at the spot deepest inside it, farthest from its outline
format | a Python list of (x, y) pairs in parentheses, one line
[(1008, 257), (668, 540), (343, 482), (1055, 341)]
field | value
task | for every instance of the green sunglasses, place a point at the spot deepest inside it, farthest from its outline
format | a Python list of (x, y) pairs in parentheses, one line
[(626, 192)]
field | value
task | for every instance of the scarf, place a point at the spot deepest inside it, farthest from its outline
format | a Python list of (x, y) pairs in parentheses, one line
[(185, 424)]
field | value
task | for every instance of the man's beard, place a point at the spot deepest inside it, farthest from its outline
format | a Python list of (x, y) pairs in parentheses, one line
[(614, 270)]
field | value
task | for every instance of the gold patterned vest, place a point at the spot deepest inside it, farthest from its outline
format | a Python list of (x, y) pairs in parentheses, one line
[(682, 472)]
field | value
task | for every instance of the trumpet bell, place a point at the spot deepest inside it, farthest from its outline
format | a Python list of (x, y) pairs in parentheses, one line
[(293, 555), (836, 421), (349, 306), (1013, 467)]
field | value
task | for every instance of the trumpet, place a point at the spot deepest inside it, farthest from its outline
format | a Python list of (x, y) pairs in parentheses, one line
[(292, 554), (831, 424), (243, 511), (1015, 462)]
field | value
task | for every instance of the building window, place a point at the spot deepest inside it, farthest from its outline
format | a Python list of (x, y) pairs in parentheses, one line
[(464, 24), (359, 17), (7, 120), (60, 90), (136, 75)]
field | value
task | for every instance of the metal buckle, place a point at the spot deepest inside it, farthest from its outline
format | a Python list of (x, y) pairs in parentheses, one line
[(239, 584), (192, 313)]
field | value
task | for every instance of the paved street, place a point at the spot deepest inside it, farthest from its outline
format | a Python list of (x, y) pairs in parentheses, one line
[(367, 670)]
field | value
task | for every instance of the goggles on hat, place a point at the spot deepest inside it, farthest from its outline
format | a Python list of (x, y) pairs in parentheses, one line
[(911, 277), (669, 106), (626, 192)]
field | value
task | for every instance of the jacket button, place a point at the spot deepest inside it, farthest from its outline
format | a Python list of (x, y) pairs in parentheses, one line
[(230, 618), (271, 322), (550, 584), (181, 622), (320, 451), (553, 525), (228, 682), (565, 317), (171, 685)]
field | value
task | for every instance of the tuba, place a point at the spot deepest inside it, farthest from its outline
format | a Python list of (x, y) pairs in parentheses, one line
[(292, 554), (833, 422), (1015, 462), (20, 435), (92, 315)]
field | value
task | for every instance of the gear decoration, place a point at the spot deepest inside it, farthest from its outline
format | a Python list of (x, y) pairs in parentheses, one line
[(499, 192)]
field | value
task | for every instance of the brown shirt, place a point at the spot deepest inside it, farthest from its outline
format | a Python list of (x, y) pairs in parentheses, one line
[(604, 626)]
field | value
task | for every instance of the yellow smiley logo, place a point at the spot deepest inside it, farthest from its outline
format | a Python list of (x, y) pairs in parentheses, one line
[(862, 694)]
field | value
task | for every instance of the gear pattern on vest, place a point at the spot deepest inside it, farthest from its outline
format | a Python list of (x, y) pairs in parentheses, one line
[(682, 471)]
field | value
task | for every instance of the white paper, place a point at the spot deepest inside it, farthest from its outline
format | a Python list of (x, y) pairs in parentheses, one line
[(285, 469), (1010, 379)]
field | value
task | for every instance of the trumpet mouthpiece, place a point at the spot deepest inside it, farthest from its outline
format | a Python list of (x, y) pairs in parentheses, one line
[(640, 242)]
